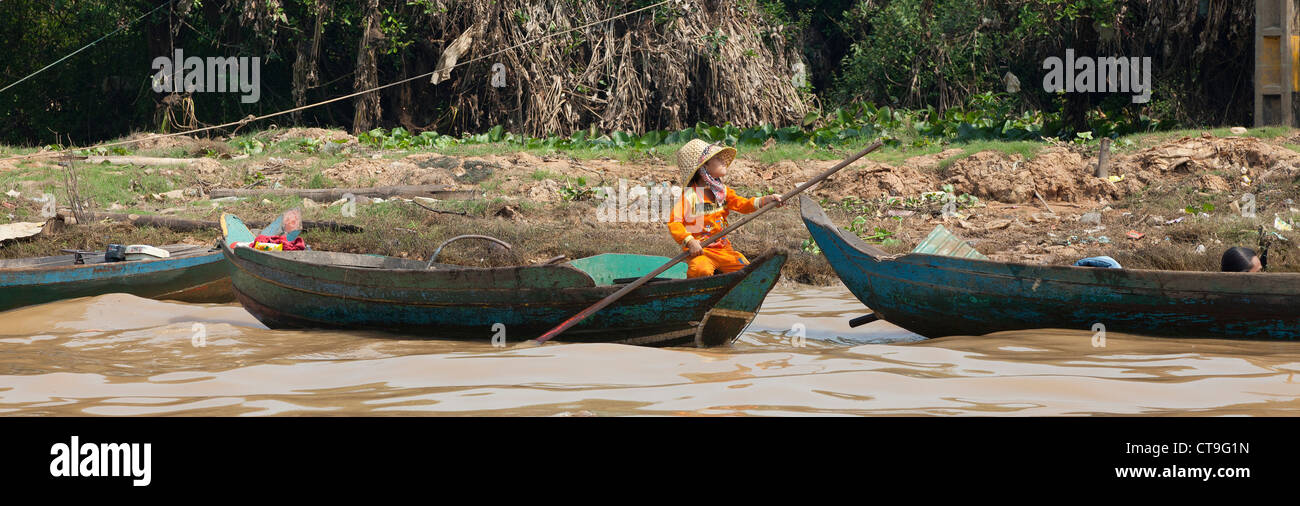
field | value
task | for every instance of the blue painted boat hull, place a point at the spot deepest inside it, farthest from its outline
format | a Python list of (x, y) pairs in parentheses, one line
[(938, 296), (339, 290), (191, 278)]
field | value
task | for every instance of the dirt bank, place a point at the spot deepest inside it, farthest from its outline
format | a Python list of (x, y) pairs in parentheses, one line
[(1166, 199)]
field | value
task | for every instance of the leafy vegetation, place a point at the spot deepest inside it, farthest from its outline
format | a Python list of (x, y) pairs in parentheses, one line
[(986, 118), (913, 72), (576, 189), (877, 234)]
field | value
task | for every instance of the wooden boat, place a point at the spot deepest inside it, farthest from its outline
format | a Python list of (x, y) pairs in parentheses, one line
[(190, 274), (316, 289), (938, 295)]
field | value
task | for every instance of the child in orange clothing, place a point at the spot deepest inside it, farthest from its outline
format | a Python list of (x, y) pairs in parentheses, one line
[(704, 205)]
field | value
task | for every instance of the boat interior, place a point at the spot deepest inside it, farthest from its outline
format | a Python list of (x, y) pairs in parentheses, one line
[(604, 269), (96, 257)]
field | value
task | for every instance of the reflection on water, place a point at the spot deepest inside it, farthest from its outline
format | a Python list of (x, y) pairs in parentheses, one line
[(122, 355)]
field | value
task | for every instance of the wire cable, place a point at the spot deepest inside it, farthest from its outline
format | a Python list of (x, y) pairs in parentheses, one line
[(83, 48)]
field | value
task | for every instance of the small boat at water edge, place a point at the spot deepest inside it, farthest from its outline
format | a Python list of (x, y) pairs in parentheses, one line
[(318, 289), (189, 273), (941, 295)]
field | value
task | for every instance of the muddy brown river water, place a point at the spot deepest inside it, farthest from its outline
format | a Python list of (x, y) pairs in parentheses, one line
[(122, 355)]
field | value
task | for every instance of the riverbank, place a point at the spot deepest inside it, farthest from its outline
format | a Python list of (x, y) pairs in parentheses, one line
[(1179, 192)]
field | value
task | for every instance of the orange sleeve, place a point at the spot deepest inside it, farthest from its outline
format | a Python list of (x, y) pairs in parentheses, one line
[(740, 204), (676, 221)]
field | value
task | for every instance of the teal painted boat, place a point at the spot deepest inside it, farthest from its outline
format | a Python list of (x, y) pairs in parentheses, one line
[(316, 289), (962, 294), (189, 274)]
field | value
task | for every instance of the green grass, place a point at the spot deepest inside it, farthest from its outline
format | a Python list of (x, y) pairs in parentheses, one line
[(499, 148), (6, 151), (543, 174), (172, 152), (898, 155), (784, 151), (529, 206), (477, 207), (323, 161), (1026, 149), (294, 148), (490, 185), (100, 183), (319, 180), (1144, 140), (663, 151), (888, 154)]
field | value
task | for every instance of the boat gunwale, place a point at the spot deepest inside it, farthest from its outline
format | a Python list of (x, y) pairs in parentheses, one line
[(253, 255), (988, 268), (185, 254)]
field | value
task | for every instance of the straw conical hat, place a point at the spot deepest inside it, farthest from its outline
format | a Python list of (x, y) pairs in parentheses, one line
[(691, 156)]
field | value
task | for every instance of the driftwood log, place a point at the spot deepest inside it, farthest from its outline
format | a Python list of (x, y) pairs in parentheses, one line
[(437, 191), (184, 225)]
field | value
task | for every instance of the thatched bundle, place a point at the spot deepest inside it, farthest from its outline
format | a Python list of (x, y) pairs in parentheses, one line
[(665, 68)]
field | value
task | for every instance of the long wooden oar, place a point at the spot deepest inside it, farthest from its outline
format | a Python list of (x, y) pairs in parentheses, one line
[(686, 254)]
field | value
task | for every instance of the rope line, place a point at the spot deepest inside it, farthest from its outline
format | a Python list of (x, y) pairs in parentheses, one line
[(83, 48)]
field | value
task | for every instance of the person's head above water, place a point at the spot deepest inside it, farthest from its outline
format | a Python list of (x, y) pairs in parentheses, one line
[(1239, 259)]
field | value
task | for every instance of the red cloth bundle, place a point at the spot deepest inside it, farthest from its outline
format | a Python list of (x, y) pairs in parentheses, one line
[(296, 245)]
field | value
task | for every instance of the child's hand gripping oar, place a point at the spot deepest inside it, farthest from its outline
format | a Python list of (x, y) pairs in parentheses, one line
[(685, 254)]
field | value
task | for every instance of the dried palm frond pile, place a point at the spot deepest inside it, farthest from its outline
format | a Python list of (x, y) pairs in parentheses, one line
[(664, 68)]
